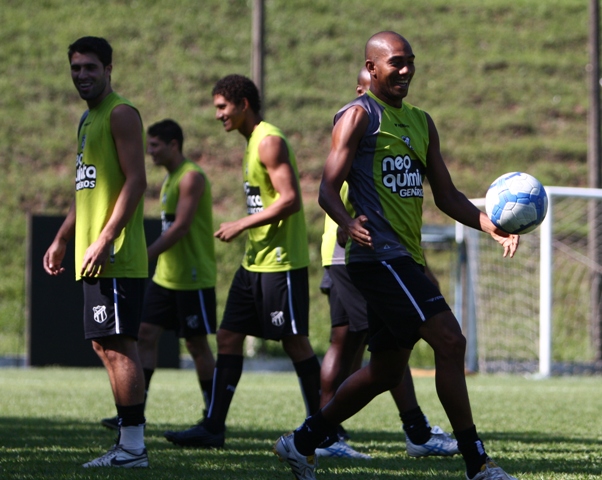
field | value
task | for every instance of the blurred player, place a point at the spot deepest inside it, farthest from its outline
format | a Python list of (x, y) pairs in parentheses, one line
[(181, 294)]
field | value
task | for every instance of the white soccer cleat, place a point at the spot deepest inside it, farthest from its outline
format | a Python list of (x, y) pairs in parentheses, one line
[(490, 471), (118, 457), (303, 467), (340, 449), (440, 444)]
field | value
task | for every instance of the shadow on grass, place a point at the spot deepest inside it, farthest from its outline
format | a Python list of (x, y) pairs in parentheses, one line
[(43, 448)]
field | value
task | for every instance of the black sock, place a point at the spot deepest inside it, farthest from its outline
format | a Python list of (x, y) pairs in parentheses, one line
[(308, 372), (206, 390), (228, 369), (131, 415), (416, 427), (312, 433), (472, 449), (148, 374)]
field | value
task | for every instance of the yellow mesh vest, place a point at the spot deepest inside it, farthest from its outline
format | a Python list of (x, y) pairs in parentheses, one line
[(98, 181), (190, 263), (280, 246)]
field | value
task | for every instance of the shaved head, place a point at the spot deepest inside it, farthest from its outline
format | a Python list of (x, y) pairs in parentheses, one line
[(390, 63), (363, 81), (381, 42), (363, 77)]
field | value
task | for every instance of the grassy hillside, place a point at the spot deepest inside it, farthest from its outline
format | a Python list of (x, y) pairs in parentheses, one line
[(504, 81)]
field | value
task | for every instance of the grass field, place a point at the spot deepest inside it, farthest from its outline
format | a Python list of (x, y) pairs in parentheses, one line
[(49, 425), (504, 81)]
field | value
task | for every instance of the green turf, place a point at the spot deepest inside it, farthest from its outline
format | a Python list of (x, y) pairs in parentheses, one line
[(49, 425)]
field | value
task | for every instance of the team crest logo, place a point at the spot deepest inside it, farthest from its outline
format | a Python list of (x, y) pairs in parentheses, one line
[(192, 321), (406, 140), (277, 318), (100, 313)]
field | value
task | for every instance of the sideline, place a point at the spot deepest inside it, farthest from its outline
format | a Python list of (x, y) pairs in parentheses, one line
[(257, 364)]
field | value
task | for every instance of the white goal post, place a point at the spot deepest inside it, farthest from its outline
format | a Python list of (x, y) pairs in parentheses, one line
[(535, 313)]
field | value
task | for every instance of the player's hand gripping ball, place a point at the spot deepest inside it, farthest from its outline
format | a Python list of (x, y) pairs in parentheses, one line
[(516, 203)]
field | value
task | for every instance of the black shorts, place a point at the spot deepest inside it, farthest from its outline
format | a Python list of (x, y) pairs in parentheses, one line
[(189, 312), (268, 305), (400, 298), (347, 305), (112, 306)]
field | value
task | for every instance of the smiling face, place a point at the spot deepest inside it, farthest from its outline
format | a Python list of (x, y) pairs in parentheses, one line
[(90, 77), (390, 61), (227, 112)]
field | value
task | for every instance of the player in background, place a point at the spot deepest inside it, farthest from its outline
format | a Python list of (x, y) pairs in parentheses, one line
[(106, 219), (269, 295), (181, 294), (384, 147), (349, 330)]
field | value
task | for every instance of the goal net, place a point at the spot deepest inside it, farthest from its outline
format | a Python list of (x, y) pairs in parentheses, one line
[(540, 311)]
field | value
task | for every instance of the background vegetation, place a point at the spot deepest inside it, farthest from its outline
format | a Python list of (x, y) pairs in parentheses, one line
[(504, 81), (522, 422)]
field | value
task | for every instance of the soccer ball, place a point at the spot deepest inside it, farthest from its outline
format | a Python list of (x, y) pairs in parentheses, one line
[(516, 203)]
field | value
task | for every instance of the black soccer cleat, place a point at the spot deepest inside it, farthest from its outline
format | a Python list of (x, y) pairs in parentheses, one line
[(196, 436), (111, 423)]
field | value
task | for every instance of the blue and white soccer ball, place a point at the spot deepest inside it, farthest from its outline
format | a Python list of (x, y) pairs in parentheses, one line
[(516, 203)]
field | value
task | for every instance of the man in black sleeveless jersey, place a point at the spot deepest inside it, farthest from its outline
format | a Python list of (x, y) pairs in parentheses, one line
[(384, 147)]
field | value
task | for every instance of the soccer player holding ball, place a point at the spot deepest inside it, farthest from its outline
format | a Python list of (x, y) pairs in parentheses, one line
[(384, 147)]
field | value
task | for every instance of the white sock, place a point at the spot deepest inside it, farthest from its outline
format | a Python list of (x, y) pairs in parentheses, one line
[(132, 439)]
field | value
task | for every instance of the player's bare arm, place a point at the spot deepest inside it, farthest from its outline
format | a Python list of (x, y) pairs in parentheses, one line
[(273, 154), (453, 202), (53, 258), (192, 187), (346, 136), (126, 128)]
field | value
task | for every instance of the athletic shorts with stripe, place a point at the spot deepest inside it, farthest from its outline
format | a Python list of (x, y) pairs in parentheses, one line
[(189, 313), (347, 305), (269, 305), (400, 299), (112, 306)]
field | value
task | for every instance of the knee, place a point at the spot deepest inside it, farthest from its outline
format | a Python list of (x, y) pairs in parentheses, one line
[(106, 351), (223, 337), (98, 349), (148, 338), (457, 343), (297, 347), (229, 342), (388, 383), (453, 345), (115, 348), (443, 333), (197, 346), (386, 379)]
